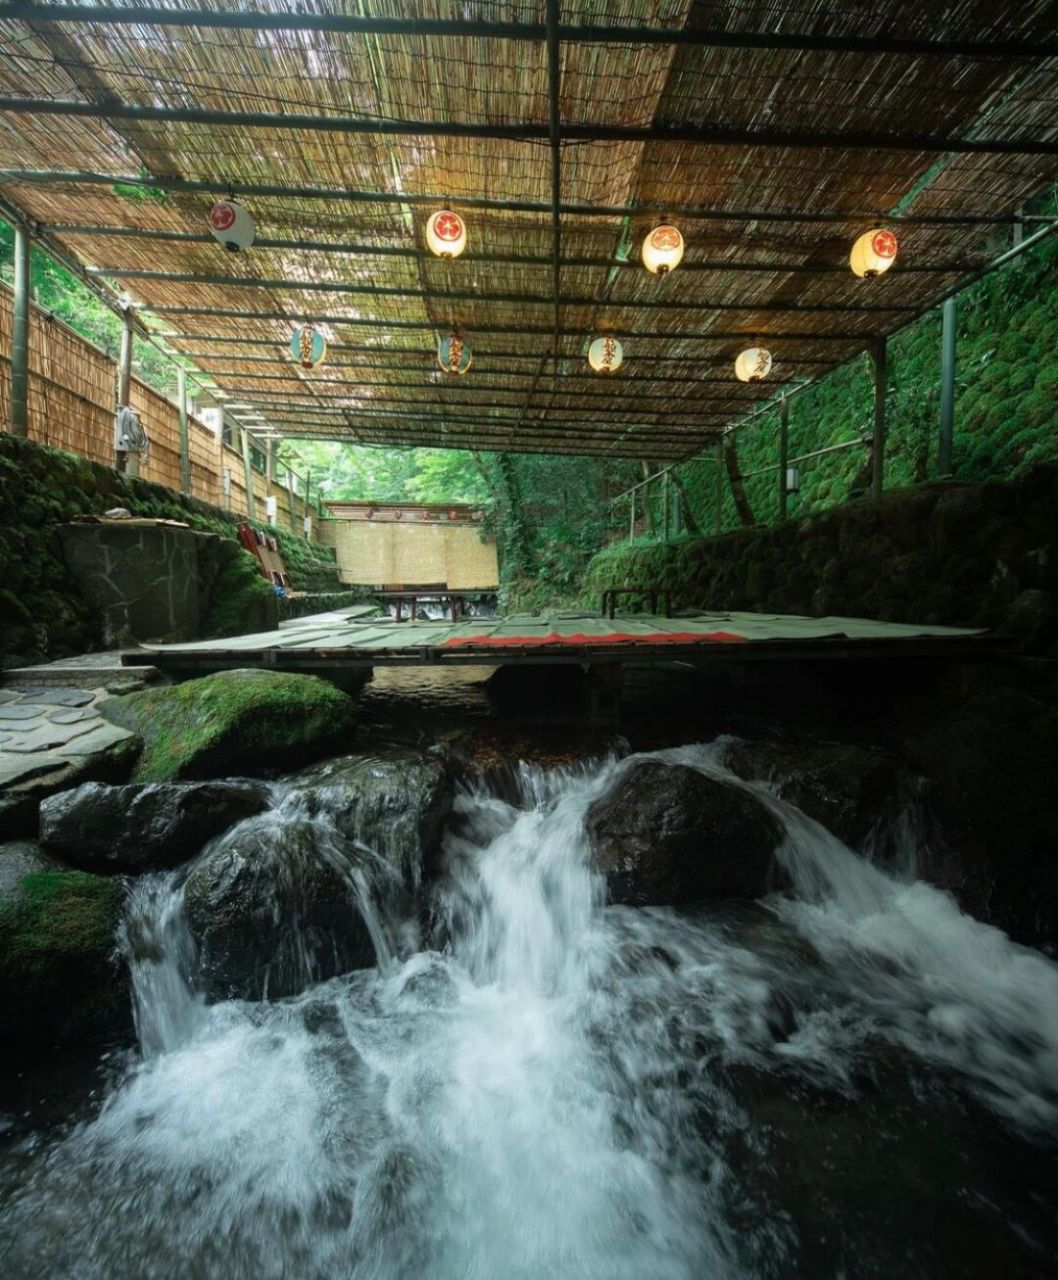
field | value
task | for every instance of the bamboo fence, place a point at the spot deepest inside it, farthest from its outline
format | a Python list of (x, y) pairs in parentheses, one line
[(72, 401)]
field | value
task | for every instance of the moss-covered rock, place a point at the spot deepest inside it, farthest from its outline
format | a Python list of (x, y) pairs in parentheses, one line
[(247, 723), (61, 980)]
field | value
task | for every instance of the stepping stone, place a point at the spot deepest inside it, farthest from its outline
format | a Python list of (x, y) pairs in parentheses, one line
[(74, 715), (63, 697), (105, 735), (20, 711), (47, 736), (18, 768), (8, 695), (26, 726)]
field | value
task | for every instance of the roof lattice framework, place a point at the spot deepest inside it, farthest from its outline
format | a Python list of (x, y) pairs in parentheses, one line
[(773, 137)]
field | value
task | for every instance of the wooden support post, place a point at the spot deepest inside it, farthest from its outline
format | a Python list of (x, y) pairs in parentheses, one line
[(291, 503), (247, 470), (784, 454), (185, 437), (949, 334), (632, 517), (881, 373), (225, 485), (123, 460), (270, 464), (20, 335), (125, 361), (719, 487), (665, 507)]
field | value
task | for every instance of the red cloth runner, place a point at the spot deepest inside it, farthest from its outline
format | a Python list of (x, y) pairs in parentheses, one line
[(616, 637)]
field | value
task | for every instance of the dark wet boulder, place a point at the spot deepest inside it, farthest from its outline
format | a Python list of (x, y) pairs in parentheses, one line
[(143, 828), (18, 859), (844, 787), (394, 801), (666, 833), (62, 981), (273, 908)]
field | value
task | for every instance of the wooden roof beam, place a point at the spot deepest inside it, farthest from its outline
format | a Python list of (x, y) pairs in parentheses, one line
[(703, 213), (536, 32), (689, 134)]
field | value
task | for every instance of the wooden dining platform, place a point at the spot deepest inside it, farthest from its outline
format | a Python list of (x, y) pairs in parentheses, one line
[(334, 640)]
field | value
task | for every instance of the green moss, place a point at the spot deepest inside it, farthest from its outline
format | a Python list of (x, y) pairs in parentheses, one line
[(241, 601), (61, 913), (59, 972), (236, 722)]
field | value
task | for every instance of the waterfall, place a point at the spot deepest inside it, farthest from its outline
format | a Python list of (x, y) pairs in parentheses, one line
[(546, 1086)]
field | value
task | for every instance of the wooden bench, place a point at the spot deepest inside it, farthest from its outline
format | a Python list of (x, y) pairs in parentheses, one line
[(609, 598)]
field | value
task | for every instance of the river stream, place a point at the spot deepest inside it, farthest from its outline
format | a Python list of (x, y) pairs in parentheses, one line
[(850, 1079)]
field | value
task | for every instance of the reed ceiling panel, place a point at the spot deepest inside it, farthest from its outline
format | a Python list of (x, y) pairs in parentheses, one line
[(373, 189)]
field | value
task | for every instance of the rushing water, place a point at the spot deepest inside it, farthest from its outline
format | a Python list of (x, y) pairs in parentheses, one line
[(851, 1080)]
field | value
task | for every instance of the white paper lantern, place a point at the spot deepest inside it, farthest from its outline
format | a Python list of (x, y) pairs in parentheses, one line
[(454, 356), (231, 225), (753, 364), (446, 234), (308, 346), (873, 253), (605, 355), (663, 249)]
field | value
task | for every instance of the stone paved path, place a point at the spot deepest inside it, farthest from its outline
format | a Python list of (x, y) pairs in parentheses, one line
[(46, 728)]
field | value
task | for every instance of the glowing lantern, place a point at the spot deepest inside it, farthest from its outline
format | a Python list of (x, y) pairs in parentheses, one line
[(454, 355), (753, 364), (308, 346), (663, 249), (605, 355), (446, 234), (873, 253), (231, 225)]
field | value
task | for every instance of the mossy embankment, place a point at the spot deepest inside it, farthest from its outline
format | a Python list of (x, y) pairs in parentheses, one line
[(42, 615), (1006, 405), (944, 552)]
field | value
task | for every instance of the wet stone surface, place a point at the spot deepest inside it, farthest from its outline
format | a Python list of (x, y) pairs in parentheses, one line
[(43, 729)]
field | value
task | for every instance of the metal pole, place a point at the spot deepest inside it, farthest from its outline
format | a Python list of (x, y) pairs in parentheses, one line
[(881, 373), (719, 486), (247, 470), (20, 335), (949, 333), (185, 439), (784, 455)]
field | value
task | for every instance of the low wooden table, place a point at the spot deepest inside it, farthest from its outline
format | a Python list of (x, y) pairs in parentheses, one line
[(609, 598), (453, 601)]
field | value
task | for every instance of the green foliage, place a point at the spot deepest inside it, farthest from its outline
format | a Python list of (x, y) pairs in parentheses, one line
[(62, 295), (241, 722)]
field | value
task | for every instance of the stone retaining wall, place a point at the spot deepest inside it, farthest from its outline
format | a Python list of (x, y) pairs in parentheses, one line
[(943, 553)]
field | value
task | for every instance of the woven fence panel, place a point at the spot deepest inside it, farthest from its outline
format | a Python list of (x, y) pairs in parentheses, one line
[(470, 563), (71, 385)]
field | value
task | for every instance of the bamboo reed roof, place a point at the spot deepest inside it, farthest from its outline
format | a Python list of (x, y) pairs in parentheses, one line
[(772, 139)]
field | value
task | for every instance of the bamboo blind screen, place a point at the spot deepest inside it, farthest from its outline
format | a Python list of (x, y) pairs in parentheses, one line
[(72, 397), (378, 553)]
